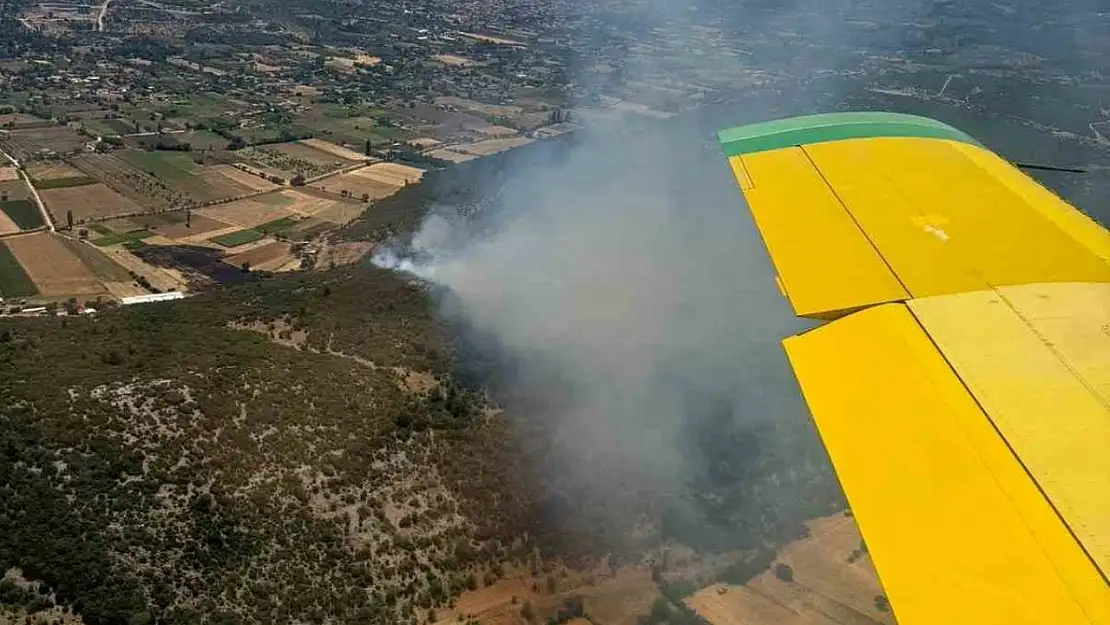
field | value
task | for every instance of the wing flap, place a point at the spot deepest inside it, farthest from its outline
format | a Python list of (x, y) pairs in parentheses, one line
[(1049, 413), (824, 263), (957, 530)]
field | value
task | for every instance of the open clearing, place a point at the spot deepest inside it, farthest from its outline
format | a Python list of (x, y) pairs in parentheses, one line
[(491, 146), (334, 150), (268, 257), (360, 184), (23, 213), (178, 170), (8, 173), (827, 588), (240, 177), (341, 213), (54, 269), (198, 225), (14, 281), (248, 213), (52, 170), (393, 173), (95, 201), (240, 237), (161, 278)]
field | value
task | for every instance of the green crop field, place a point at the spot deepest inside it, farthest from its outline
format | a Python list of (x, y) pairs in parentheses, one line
[(63, 183), (240, 237), (164, 165), (23, 212), (277, 225), (122, 237), (14, 282)]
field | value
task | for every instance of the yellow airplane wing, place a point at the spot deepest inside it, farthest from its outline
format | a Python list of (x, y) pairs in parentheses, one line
[(961, 384)]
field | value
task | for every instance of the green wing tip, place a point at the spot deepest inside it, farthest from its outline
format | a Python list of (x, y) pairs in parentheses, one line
[(793, 131)]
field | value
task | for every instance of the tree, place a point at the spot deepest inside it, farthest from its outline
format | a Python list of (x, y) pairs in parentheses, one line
[(246, 266), (188, 218), (784, 572), (526, 611), (367, 147), (298, 180), (69, 219)]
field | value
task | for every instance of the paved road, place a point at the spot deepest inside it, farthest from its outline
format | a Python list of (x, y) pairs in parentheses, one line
[(34, 192)]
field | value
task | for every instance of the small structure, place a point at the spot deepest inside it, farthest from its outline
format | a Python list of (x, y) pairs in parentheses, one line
[(152, 297)]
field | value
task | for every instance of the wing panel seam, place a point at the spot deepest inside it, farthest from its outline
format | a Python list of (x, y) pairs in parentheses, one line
[(1013, 453)]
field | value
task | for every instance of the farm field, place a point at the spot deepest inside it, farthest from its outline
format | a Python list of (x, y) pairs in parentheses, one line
[(445, 154), (8, 173), (240, 237), (14, 281), (335, 150), (198, 182), (293, 158), (51, 170), (64, 183), (826, 586), (52, 266), (109, 127), (99, 263), (268, 257), (160, 278), (30, 144), (340, 213), (14, 190), (393, 173), (360, 184), (23, 213), (7, 226), (95, 201), (491, 146), (247, 213), (143, 189), (240, 177)]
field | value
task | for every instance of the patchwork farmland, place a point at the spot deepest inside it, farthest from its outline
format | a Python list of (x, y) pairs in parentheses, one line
[(87, 202), (53, 268)]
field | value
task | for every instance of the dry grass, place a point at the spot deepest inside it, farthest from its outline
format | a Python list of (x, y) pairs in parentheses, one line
[(827, 588), (267, 256), (335, 150), (491, 146), (160, 278), (445, 154), (248, 213), (52, 266), (53, 171), (393, 173), (250, 181), (7, 226), (359, 183), (94, 201)]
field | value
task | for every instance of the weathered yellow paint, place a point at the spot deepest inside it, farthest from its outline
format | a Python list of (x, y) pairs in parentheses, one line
[(741, 174), (1075, 320), (1034, 361), (946, 224), (957, 531), (824, 262), (1079, 226)]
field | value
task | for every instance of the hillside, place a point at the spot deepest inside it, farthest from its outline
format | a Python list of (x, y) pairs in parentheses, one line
[(161, 464)]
